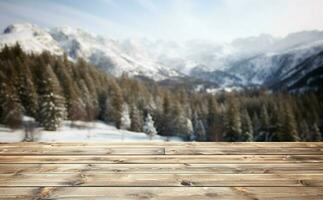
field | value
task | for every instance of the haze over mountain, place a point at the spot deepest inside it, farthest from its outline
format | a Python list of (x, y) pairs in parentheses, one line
[(262, 60)]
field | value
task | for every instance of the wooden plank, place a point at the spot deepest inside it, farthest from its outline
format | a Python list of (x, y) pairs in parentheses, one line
[(140, 170), (156, 159), (242, 150), (179, 150), (78, 150), (162, 193), (295, 168), (166, 144), (162, 180)]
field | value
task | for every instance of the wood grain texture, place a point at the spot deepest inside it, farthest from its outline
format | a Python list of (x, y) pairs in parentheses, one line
[(149, 150), (163, 193), (157, 159), (178, 150), (161, 180), (161, 170), (294, 168)]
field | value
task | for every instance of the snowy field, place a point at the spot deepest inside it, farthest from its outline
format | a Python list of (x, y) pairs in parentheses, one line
[(79, 131)]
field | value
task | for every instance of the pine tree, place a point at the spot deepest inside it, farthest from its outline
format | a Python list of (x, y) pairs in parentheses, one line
[(315, 134), (256, 124), (51, 102), (199, 130), (291, 126), (219, 127), (232, 121), (87, 99), (136, 119), (10, 107), (246, 127), (27, 91), (264, 118), (305, 131), (76, 108), (103, 104), (114, 104), (213, 118), (164, 123), (287, 130), (180, 125), (189, 130), (149, 127), (88, 88)]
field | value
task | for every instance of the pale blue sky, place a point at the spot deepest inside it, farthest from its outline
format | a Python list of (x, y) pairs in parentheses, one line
[(220, 20)]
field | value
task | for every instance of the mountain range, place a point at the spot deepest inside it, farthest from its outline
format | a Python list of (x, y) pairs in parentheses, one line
[(294, 62)]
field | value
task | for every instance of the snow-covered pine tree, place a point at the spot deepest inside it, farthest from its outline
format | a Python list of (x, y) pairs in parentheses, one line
[(189, 128), (180, 124), (89, 89), (52, 110), (149, 127), (75, 106), (199, 132), (125, 117), (87, 100)]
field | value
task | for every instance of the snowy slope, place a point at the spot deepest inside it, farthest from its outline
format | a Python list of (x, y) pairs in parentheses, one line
[(80, 131), (274, 66), (31, 38), (266, 60)]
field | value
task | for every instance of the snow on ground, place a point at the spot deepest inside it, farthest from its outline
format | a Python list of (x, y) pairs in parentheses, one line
[(80, 132)]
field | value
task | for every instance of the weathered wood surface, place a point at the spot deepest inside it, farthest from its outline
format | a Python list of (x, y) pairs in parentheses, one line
[(286, 168), (168, 150), (162, 180), (163, 193), (158, 159), (160, 170)]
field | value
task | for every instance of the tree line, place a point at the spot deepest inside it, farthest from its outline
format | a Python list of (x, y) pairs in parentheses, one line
[(52, 89)]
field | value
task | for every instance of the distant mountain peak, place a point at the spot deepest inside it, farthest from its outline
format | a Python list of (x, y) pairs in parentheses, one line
[(19, 27)]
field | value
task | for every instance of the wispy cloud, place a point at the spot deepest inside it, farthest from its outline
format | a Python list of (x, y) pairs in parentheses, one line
[(55, 14), (171, 19)]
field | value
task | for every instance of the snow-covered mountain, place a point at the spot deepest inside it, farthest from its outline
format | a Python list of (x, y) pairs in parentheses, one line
[(261, 60), (113, 56), (267, 61), (31, 38)]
